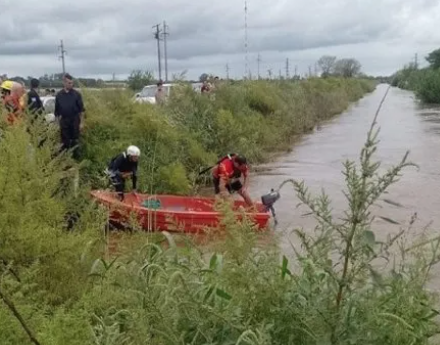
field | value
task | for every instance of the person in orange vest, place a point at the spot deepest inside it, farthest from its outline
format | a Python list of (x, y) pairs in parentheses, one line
[(227, 174), (13, 100), (6, 87)]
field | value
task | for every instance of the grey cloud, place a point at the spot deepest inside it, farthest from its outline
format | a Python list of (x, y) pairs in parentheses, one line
[(112, 36)]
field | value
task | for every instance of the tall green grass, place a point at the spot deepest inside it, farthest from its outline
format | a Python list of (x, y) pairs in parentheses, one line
[(58, 287)]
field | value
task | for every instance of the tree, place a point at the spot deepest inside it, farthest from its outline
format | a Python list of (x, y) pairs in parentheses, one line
[(327, 64), (434, 59), (138, 79), (347, 68)]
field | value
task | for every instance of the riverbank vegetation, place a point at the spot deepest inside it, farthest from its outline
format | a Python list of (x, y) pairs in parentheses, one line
[(57, 285), (425, 82), (193, 130)]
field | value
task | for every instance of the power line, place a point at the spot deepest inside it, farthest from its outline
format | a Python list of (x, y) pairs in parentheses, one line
[(165, 51), (157, 37), (245, 40), (63, 52)]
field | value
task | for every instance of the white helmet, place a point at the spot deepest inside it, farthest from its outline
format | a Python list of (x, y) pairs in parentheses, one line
[(133, 151)]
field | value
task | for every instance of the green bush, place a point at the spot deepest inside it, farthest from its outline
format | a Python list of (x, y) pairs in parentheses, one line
[(428, 90)]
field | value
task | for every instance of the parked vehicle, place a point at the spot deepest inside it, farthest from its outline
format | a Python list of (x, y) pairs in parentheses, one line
[(147, 95), (49, 108)]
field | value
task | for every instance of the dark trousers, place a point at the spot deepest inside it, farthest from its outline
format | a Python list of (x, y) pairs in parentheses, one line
[(70, 134), (118, 184), (231, 187)]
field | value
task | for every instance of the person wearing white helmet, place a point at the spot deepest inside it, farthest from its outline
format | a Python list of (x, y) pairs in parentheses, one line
[(122, 167)]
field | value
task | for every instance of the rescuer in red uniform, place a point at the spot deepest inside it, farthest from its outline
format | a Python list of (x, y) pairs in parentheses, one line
[(227, 176)]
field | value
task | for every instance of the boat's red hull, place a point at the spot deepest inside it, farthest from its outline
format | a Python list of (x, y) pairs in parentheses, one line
[(176, 213)]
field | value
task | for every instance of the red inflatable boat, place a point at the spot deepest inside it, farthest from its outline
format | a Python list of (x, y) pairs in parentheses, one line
[(173, 213)]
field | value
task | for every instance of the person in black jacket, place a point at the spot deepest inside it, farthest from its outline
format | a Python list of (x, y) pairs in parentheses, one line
[(69, 110), (35, 105), (124, 166)]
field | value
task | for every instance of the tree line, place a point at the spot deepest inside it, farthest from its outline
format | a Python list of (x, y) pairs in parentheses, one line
[(328, 66), (56, 81), (425, 82)]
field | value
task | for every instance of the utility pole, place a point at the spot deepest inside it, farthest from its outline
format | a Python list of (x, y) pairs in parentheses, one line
[(157, 37), (165, 53), (310, 71), (246, 40), (258, 65), (296, 70), (287, 69), (227, 71), (62, 54)]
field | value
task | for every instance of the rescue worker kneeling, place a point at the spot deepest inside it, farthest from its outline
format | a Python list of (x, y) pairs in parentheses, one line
[(227, 177), (122, 167)]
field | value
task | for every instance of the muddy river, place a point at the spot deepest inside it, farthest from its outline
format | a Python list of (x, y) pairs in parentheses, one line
[(318, 160)]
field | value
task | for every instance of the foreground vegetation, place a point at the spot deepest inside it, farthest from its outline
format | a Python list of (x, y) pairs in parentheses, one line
[(57, 285), (192, 130), (425, 82)]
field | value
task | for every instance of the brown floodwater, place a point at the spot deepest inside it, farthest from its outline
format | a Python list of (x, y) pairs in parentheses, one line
[(318, 160)]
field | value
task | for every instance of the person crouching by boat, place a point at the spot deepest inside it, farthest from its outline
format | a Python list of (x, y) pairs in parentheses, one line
[(227, 174), (122, 167)]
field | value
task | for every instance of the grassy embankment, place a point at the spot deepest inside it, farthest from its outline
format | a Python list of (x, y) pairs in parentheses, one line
[(192, 131), (56, 287)]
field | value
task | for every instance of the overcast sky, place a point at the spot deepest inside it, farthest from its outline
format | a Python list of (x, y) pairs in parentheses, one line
[(113, 36)]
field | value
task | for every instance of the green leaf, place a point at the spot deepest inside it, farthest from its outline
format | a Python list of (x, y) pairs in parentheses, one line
[(223, 294), (389, 220), (369, 237), (284, 269), (394, 203), (213, 262)]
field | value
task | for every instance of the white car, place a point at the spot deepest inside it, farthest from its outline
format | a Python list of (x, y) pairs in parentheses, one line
[(147, 95), (49, 108)]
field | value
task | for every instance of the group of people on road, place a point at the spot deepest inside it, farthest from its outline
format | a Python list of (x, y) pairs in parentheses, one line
[(227, 173)]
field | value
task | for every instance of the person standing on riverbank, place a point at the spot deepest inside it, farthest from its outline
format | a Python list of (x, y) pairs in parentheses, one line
[(160, 93), (227, 177), (35, 105), (13, 100), (69, 110)]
